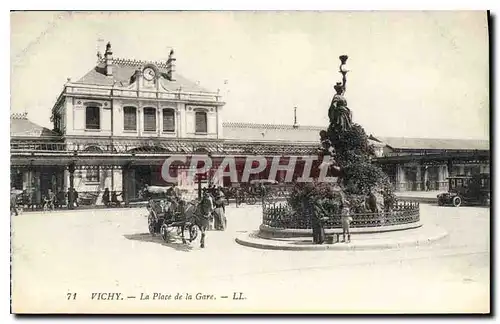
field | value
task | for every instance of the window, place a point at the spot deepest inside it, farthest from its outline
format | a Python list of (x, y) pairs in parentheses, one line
[(92, 175), (168, 120), (201, 122), (92, 118), (150, 119), (130, 118)]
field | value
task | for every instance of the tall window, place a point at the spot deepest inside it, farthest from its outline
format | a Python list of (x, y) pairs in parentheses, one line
[(168, 120), (201, 122), (130, 118), (149, 119), (92, 118), (92, 175)]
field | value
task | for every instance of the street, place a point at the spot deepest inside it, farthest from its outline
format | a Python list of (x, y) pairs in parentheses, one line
[(76, 261)]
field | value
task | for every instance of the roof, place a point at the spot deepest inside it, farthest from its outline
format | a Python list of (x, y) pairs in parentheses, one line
[(271, 132), (310, 134), (123, 70), (275, 132), (21, 126), (435, 143)]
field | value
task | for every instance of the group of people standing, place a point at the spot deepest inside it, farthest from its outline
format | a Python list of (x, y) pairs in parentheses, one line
[(110, 199), (49, 201), (319, 215), (216, 195)]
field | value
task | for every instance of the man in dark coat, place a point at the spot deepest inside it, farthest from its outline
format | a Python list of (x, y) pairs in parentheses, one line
[(317, 214)]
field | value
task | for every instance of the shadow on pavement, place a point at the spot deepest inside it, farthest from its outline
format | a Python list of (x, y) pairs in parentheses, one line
[(147, 237)]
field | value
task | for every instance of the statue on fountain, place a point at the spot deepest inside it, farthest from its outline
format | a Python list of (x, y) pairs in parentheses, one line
[(339, 114), (344, 149)]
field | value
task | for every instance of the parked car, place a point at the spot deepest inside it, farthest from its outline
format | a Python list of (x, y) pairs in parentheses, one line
[(466, 190)]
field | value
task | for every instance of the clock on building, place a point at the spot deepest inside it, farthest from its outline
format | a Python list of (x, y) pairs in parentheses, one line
[(149, 73)]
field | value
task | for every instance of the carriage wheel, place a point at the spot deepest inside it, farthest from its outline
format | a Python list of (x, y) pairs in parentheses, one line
[(457, 201), (164, 232), (151, 225), (193, 232), (251, 200)]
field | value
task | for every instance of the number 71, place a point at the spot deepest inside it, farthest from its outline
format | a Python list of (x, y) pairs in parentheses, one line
[(71, 296)]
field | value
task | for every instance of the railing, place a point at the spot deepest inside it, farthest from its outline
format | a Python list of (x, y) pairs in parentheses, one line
[(476, 155), (282, 216), (178, 146), (37, 201)]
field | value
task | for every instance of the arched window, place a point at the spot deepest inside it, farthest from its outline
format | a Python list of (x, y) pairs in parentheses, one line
[(201, 122), (130, 118), (149, 119), (168, 120), (92, 117)]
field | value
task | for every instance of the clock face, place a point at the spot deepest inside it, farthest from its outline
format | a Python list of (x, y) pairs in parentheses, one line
[(149, 74)]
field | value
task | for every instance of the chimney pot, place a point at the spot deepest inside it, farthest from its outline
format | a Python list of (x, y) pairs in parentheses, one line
[(108, 55), (171, 66)]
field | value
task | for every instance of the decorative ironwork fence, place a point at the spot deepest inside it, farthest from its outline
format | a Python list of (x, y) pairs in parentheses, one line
[(167, 146), (283, 216)]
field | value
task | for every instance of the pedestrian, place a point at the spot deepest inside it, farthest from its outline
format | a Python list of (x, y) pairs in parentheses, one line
[(13, 201), (317, 214), (427, 185), (219, 212), (346, 220), (105, 197), (75, 197), (238, 195), (114, 198), (52, 200)]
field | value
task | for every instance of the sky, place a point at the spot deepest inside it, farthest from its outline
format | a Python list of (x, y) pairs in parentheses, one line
[(412, 74)]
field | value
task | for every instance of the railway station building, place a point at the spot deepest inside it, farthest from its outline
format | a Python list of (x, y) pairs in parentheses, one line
[(114, 127)]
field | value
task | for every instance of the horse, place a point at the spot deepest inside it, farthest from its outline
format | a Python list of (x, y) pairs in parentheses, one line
[(199, 214)]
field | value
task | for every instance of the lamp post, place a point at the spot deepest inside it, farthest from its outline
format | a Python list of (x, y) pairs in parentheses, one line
[(343, 70)]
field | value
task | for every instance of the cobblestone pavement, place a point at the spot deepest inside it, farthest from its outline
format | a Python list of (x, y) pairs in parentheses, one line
[(110, 251)]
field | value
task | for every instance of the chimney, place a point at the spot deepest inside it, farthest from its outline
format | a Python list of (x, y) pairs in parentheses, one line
[(108, 55), (171, 66), (295, 125)]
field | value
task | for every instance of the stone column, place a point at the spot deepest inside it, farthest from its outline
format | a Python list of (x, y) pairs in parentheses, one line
[(449, 167), (440, 176), (400, 178), (117, 182), (443, 182), (26, 179), (125, 184), (419, 178), (71, 195), (426, 177)]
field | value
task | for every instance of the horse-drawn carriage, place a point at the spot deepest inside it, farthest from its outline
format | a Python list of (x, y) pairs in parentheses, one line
[(169, 212), (165, 215)]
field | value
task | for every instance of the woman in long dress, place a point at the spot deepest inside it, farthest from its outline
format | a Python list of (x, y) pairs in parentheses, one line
[(339, 114)]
